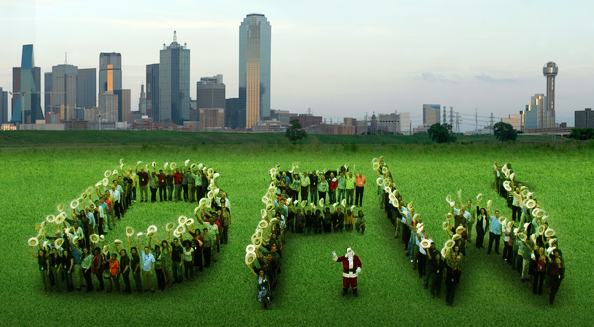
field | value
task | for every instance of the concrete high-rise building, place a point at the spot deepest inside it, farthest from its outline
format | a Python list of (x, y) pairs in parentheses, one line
[(152, 92), (86, 88), (108, 106), (142, 101), (584, 118), (110, 71), (210, 92), (3, 106), (124, 104), (431, 114), (534, 115), (27, 104), (47, 88), (254, 69), (550, 70), (64, 83), (515, 120), (211, 119), (174, 83), (396, 123)]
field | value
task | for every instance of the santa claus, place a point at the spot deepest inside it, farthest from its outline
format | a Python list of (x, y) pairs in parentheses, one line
[(351, 268)]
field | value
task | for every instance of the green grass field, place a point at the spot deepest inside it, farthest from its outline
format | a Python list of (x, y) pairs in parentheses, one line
[(35, 180)]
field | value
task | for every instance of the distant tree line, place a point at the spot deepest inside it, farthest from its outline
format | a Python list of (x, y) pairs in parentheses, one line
[(582, 133)]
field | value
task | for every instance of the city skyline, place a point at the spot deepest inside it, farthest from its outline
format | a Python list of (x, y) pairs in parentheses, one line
[(376, 56)]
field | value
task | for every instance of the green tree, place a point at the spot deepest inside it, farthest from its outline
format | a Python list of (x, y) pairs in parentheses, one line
[(504, 132), (294, 132), (581, 133), (442, 133)]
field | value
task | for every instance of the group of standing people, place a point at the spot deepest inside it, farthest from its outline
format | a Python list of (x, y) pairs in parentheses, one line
[(69, 259), (531, 247), (433, 267), (331, 186)]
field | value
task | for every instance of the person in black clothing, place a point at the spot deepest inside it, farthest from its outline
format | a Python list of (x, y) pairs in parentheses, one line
[(449, 282), (309, 223), (135, 267), (437, 275), (482, 226), (327, 221), (125, 270), (318, 222), (176, 253), (337, 219), (313, 187)]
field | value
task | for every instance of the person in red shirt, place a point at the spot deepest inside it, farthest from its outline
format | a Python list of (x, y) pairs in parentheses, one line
[(333, 186), (143, 179), (359, 187), (177, 179), (114, 269)]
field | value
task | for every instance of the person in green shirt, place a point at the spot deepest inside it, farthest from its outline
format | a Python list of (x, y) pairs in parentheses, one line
[(360, 222), (350, 189)]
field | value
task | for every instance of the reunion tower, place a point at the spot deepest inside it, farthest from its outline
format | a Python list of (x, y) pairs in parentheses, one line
[(550, 71)]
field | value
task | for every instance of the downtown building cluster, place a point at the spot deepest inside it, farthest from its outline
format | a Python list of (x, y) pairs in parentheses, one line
[(72, 99)]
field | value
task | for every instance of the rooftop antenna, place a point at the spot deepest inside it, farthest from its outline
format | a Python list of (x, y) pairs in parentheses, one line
[(65, 58), (175, 36)]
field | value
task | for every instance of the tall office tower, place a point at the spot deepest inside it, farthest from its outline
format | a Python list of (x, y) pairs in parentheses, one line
[(210, 92), (3, 106), (431, 114), (152, 91), (550, 70), (232, 113), (27, 105), (174, 83), (254, 69), (64, 91), (47, 88), (142, 100), (110, 71), (86, 88)]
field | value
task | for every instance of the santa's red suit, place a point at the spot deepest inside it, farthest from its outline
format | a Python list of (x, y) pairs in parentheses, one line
[(351, 267)]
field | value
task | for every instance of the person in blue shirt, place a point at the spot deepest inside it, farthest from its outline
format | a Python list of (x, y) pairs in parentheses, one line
[(494, 232)]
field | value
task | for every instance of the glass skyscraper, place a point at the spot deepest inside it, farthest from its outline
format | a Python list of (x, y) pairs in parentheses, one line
[(174, 83), (28, 102), (254, 69), (110, 71)]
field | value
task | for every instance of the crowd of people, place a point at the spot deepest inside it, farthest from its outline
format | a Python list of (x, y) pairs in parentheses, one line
[(531, 248), (288, 210), (70, 251)]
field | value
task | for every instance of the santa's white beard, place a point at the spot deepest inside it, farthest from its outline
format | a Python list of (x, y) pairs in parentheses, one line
[(350, 256)]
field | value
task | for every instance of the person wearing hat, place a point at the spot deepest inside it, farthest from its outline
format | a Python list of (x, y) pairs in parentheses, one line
[(97, 268), (198, 185), (178, 179), (359, 188), (507, 241), (162, 178), (494, 232), (332, 188), (482, 225), (143, 181), (351, 268), (117, 204)]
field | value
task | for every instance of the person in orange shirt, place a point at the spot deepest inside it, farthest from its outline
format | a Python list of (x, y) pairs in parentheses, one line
[(359, 187), (114, 269)]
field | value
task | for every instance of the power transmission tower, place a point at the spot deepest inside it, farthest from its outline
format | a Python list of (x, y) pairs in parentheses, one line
[(492, 124), (444, 115), (458, 122), (452, 116)]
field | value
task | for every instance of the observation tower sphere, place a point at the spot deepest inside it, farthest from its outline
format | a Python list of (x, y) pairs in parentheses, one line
[(550, 69)]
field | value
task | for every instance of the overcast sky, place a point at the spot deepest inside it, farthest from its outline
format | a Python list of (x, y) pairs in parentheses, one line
[(339, 58)]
